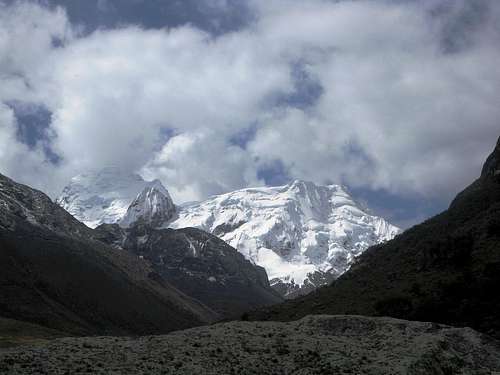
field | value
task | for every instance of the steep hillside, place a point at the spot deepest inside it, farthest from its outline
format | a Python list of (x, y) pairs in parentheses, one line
[(446, 269), (198, 264), (54, 274)]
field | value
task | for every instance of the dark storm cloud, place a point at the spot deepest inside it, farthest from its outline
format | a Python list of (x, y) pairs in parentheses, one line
[(461, 21), (306, 89), (33, 127), (215, 16), (32, 122)]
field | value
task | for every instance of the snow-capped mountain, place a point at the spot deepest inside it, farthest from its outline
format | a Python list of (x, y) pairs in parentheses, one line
[(152, 206), (304, 235), (103, 196)]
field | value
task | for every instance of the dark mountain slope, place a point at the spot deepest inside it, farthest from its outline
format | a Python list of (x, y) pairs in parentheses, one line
[(54, 274), (446, 269), (199, 264)]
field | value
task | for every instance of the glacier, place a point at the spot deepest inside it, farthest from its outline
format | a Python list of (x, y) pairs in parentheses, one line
[(303, 234)]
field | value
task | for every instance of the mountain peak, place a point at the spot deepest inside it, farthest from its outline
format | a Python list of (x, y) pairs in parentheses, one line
[(156, 184), (309, 185), (299, 182), (153, 205), (102, 196), (303, 234), (303, 183)]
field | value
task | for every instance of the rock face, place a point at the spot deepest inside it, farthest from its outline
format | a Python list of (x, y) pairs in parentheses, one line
[(491, 167), (446, 269), (20, 205), (153, 206), (304, 235), (56, 274), (313, 345), (197, 263)]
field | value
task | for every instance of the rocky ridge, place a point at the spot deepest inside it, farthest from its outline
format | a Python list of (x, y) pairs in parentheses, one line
[(197, 263)]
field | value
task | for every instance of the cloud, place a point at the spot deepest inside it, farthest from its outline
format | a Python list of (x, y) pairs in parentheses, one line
[(399, 96), (114, 100), (27, 33), (198, 164), (397, 110)]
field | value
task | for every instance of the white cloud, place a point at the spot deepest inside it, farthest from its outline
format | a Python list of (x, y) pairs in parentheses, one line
[(27, 34), (196, 165), (118, 89), (410, 111), (396, 112)]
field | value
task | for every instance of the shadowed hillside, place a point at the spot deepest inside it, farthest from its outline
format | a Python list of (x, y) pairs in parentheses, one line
[(197, 263), (54, 274)]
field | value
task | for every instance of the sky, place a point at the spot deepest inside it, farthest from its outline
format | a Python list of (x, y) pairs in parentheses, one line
[(398, 100)]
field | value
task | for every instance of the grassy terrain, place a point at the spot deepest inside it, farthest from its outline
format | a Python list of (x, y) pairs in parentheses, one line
[(15, 332)]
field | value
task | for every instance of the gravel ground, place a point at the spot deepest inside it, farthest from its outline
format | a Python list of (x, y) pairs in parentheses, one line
[(318, 344)]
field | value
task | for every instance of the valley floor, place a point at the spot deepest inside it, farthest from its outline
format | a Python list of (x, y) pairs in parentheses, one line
[(318, 344)]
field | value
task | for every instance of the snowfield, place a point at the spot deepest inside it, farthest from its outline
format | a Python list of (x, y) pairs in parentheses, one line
[(293, 231)]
